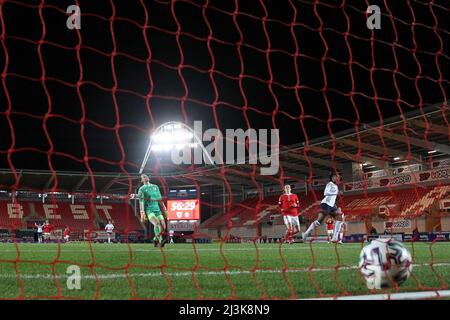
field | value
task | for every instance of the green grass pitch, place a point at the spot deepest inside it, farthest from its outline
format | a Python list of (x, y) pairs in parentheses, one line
[(184, 271)]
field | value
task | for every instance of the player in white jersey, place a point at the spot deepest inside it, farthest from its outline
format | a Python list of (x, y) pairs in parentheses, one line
[(171, 232), (39, 231), (109, 229), (328, 204)]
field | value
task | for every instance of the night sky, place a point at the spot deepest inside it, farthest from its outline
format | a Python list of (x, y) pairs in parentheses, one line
[(232, 64)]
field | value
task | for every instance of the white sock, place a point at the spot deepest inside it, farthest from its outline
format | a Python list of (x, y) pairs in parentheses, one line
[(337, 230), (311, 227)]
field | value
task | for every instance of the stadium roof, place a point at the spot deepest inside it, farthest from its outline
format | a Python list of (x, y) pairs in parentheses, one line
[(376, 144)]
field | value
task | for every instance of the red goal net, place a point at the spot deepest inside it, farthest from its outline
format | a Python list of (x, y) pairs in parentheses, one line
[(360, 89)]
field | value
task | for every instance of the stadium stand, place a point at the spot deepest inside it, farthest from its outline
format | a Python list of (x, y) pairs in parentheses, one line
[(403, 202), (23, 214)]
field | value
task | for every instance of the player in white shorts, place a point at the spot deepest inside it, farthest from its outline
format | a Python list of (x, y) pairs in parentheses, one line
[(39, 231), (328, 205), (339, 228), (289, 204), (109, 229)]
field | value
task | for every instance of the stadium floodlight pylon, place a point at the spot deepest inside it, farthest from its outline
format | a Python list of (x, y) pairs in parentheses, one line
[(182, 129)]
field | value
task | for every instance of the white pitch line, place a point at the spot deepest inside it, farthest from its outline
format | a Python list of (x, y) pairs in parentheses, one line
[(166, 250), (395, 296), (110, 276), (198, 248)]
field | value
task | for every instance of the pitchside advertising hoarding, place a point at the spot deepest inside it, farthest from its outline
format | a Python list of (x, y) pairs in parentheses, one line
[(5, 234), (399, 180), (28, 234), (398, 224), (97, 235), (178, 226), (404, 237), (56, 234)]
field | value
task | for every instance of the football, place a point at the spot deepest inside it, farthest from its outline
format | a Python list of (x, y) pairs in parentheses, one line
[(385, 263)]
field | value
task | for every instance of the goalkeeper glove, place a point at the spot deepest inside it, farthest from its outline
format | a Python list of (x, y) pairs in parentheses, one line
[(143, 216)]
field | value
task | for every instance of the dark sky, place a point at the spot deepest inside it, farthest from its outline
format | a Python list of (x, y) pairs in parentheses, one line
[(210, 61)]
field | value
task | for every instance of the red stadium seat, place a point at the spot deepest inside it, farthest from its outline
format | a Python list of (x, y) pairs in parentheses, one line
[(78, 217)]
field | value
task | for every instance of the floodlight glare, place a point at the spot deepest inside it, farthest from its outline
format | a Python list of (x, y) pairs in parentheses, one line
[(168, 140), (173, 136), (157, 147)]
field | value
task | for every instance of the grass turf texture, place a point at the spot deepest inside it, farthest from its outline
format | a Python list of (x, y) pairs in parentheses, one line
[(182, 271)]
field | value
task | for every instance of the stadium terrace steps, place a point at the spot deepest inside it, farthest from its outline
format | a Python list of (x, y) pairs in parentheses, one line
[(308, 208), (427, 200)]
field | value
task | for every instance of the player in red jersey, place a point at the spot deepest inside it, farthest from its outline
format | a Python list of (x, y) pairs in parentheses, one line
[(47, 231), (66, 234), (330, 229), (289, 204)]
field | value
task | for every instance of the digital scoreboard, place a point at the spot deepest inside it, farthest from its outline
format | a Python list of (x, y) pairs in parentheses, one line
[(183, 209)]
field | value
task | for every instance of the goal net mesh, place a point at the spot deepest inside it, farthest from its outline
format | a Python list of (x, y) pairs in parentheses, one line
[(87, 99)]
